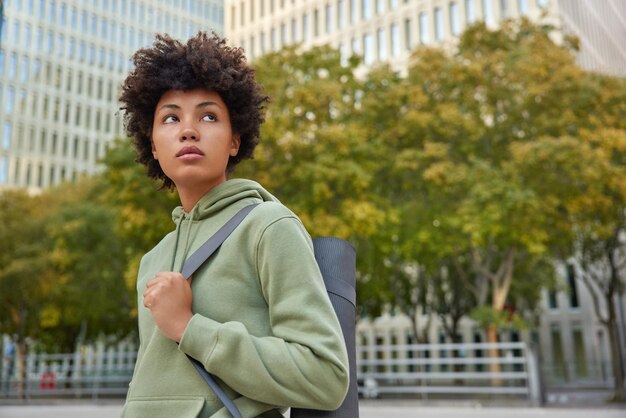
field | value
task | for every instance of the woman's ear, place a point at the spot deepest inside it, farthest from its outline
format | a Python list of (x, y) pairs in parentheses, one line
[(154, 152), (234, 146)]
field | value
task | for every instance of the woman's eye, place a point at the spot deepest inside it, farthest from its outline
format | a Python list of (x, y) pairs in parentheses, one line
[(170, 119), (209, 118)]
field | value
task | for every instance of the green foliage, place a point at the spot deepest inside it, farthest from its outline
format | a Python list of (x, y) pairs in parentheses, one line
[(24, 282), (487, 316)]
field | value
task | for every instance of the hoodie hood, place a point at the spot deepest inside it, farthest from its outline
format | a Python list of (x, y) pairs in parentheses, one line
[(213, 202), (222, 196)]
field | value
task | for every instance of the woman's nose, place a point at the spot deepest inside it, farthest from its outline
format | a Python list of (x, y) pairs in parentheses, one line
[(189, 134)]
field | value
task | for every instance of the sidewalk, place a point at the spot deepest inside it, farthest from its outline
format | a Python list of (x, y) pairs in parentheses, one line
[(368, 409)]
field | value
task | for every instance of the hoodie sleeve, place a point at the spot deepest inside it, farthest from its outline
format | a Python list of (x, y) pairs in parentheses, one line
[(304, 363)]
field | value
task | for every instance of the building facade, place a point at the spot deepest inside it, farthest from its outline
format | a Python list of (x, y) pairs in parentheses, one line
[(388, 30), (61, 66)]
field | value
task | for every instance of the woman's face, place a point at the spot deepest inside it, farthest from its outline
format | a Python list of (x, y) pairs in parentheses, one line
[(192, 138)]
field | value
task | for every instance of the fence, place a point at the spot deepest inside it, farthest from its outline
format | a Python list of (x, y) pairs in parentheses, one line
[(449, 369), (90, 372), (435, 369)]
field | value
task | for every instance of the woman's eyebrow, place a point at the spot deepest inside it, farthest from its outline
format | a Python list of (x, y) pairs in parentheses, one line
[(207, 103), (170, 106), (198, 106)]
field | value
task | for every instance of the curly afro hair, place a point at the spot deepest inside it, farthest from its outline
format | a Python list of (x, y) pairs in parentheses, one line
[(204, 62)]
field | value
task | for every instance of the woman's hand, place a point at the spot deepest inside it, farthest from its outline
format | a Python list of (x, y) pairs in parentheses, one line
[(168, 296)]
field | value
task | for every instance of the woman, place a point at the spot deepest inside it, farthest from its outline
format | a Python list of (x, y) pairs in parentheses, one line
[(256, 315)]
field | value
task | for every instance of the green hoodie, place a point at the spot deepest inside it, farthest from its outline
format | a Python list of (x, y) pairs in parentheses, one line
[(263, 324)]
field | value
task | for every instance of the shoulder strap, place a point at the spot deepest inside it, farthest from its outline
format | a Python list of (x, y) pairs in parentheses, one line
[(213, 243), (191, 265)]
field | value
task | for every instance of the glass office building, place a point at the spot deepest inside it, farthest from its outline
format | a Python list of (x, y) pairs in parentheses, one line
[(373, 28), (61, 66)]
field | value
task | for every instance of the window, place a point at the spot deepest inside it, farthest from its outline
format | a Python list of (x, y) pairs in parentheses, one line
[(343, 52), (470, 16), (340, 14), (24, 72), (294, 31), (438, 24), (52, 11), (380, 7), (71, 45), (103, 29), (7, 132), (83, 21), (60, 43), (522, 5), (74, 17), (424, 34), (305, 27), (283, 34), (382, 44), (39, 39), (50, 42), (27, 35), (552, 299), (10, 100), (580, 360), (4, 170), (408, 42), (558, 361), (573, 290), (354, 17), (542, 3), (366, 10), (329, 18), (12, 70), (395, 40), (63, 14), (504, 9), (455, 28), (368, 49), (488, 12), (316, 23)]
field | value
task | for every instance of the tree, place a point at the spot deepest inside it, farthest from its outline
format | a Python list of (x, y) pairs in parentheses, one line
[(457, 116), (88, 297), (314, 155), (142, 211), (585, 178), (24, 282)]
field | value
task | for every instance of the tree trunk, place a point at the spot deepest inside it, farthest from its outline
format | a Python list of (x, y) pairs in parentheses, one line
[(492, 338), (20, 364), (619, 393)]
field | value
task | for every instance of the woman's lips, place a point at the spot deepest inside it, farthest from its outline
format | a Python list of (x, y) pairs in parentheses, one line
[(189, 153)]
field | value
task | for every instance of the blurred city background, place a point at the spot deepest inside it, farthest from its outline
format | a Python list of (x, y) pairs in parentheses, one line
[(473, 151)]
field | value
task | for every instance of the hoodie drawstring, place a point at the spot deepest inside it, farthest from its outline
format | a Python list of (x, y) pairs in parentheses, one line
[(187, 235), (178, 222)]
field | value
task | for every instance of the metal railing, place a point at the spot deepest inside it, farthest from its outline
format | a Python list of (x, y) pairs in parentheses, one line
[(433, 369), (88, 373), (449, 369)]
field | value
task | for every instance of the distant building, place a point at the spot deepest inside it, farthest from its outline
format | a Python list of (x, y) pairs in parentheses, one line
[(61, 66), (387, 30)]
